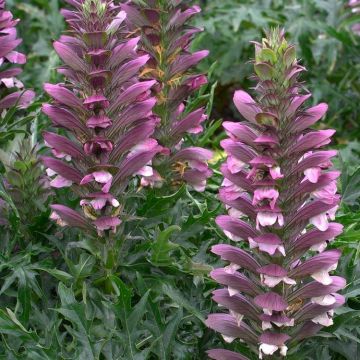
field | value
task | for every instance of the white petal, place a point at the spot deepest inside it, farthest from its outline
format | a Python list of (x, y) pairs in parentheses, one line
[(102, 177), (237, 316), (266, 325), (226, 182), (146, 171), (290, 323), (253, 244), (98, 204), (228, 339), (50, 172), (266, 218), (275, 173), (271, 281), (332, 212), (234, 165), (323, 320), (282, 250), (115, 203), (268, 349), (320, 221), (322, 277), (8, 82), (283, 350), (232, 236), (324, 300), (289, 281), (235, 213), (281, 220), (312, 174), (319, 247), (54, 216), (60, 182), (232, 291), (268, 248), (232, 268)]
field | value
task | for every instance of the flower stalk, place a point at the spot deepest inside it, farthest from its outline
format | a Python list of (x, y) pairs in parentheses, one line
[(8, 58), (166, 37), (106, 113), (280, 193)]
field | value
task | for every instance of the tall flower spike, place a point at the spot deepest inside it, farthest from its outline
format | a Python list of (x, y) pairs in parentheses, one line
[(355, 7), (8, 57), (280, 193), (106, 111), (166, 37)]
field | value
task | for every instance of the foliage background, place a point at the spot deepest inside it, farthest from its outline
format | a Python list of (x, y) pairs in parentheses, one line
[(53, 300)]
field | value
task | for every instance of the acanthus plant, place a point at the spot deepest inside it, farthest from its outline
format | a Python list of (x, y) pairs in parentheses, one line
[(167, 37), (9, 98), (106, 112), (280, 193), (28, 187)]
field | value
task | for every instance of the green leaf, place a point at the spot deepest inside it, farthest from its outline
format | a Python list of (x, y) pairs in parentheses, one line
[(138, 312), (123, 312), (75, 313), (58, 274), (154, 310), (155, 205), (67, 296), (24, 297), (84, 268), (123, 293), (171, 330), (351, 188), (181, 301), (161, 248), (13, 318)]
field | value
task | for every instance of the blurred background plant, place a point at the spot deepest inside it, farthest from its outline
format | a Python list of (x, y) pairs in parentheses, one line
[(52, 305)]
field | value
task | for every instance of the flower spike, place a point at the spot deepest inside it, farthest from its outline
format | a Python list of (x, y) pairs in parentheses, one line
[(8, 58), (166, 37), (281, 197), (106, 112)]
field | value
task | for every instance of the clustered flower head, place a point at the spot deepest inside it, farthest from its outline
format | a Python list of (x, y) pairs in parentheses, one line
[(166, 37), (8, 57), (281, 197), (355, 7), (106, 112)]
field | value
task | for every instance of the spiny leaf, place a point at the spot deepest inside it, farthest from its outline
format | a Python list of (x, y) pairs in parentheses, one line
[(162, 246)]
